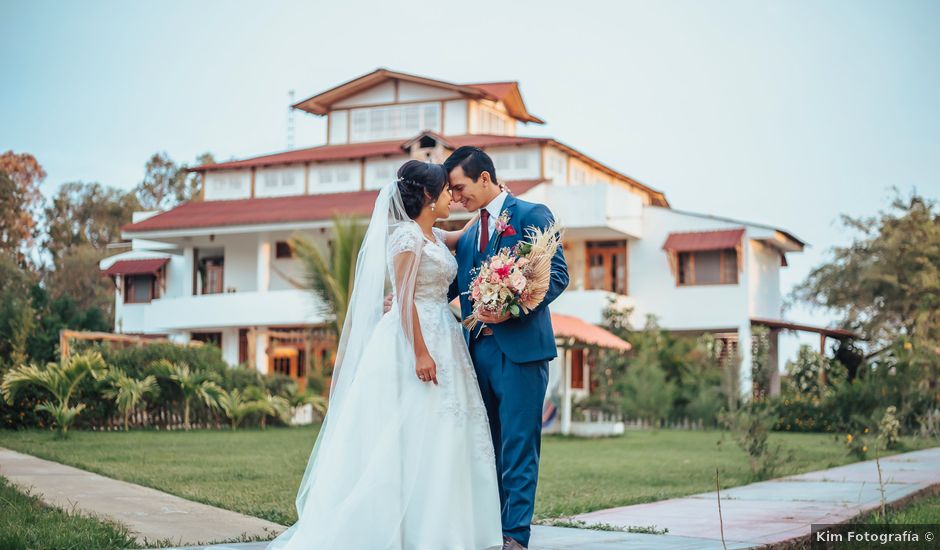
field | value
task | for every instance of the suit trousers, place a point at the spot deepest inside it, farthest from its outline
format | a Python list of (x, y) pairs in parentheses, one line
[(513, 394)]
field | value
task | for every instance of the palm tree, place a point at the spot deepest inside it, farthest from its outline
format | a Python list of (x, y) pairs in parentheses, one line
[(268, 405), (236, 407), (61, 380), (198, 384), (331, 277), (127, 392), (296, 398)]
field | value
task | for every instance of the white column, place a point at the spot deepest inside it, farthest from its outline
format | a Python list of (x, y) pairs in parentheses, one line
[(261, 355), (230, 346), (119, 291), (744, 349), (188, 267), (565, 412), (264, 263)]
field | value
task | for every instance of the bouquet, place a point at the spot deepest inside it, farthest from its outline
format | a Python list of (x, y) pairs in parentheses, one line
[(514, 280)]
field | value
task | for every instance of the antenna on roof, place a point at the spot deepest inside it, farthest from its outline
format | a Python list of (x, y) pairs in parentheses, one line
[(290, 120)]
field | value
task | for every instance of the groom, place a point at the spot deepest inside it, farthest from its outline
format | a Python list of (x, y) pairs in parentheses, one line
[(510, 355)]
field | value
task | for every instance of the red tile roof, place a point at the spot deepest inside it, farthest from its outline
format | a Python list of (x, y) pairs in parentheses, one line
[(300, 208), (396, 147), (363, 150), (566, 326), (703, 240), (136, 267)]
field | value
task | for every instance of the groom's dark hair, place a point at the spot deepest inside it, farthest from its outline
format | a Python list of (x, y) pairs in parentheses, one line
[(473, 161)]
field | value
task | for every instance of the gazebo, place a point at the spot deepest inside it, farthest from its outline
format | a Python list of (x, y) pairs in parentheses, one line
[(578, 342)]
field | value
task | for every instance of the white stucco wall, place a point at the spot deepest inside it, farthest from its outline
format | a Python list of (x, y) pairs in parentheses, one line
[(240, 272), (653, 285), (764, 295), (455, 117), (339, 127)]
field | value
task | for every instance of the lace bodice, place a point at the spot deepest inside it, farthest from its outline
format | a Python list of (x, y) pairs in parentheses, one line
[(437, 267)]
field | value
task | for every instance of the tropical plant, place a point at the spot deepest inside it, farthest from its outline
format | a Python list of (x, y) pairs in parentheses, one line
[(268, 404), (330, 276), (297, 398), (646, 392), (193, 384), (127, 392), (236, 407), (61, 380)]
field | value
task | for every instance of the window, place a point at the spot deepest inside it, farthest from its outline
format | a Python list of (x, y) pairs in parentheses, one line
[(606, 266), (139, 289), (577, 369), (708, 267), (395, 121), (242, 346), (214, 276), (282, 250)]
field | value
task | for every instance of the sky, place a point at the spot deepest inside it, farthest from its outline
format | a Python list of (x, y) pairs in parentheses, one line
[(787, 113)]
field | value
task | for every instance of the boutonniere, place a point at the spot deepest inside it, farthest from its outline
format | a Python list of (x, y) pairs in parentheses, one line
[(503, 229)]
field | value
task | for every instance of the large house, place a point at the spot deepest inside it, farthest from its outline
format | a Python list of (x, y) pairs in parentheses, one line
[(219, 269)]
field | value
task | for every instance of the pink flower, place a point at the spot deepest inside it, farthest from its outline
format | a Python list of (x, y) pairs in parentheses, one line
[(502, 271), (518, 282)]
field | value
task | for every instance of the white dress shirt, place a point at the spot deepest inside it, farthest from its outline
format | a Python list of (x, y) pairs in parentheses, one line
[(495, 209)]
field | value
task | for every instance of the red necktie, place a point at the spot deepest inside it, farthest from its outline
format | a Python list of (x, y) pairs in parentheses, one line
[(484, 229)]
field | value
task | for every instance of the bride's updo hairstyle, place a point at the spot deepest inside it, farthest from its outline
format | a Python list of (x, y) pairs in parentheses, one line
[(420, 183)]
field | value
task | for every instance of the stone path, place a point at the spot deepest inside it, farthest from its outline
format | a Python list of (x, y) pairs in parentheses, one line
[(754, 515)]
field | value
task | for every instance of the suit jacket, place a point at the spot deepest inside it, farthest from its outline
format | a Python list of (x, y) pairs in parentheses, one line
[(529, 337)]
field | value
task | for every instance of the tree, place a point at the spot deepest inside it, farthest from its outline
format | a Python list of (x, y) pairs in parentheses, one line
[(885, 284), (17, 315), (330, 276), (78, 277), (199, 385), (167, 184), (127, 392), (86, 214), (20, 176), (61, 380)]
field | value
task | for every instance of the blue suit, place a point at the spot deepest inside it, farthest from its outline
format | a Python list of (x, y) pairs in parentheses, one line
[(512, 367)]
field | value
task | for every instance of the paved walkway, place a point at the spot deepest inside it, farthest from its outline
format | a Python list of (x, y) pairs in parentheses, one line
[(148, 513), (783, 509), (754, 515)]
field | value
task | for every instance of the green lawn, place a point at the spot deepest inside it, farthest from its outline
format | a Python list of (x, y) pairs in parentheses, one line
[(923, 511), (257, 472), (25, 522)]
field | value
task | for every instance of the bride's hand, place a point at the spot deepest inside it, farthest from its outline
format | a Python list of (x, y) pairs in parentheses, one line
[(426, 369)]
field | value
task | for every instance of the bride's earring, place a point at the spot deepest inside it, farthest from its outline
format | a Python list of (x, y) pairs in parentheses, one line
[(432, 207)]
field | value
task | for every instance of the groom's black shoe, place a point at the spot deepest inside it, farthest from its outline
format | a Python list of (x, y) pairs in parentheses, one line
[(510, 543)]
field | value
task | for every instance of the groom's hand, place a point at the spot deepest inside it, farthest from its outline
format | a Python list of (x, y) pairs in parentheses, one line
[(491, 319), (388, 304)]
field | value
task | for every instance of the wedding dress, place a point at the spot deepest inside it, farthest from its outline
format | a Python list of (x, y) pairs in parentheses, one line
[(400, 463)]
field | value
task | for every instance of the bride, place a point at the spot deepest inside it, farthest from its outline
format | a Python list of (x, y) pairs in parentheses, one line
[(404, 459)]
